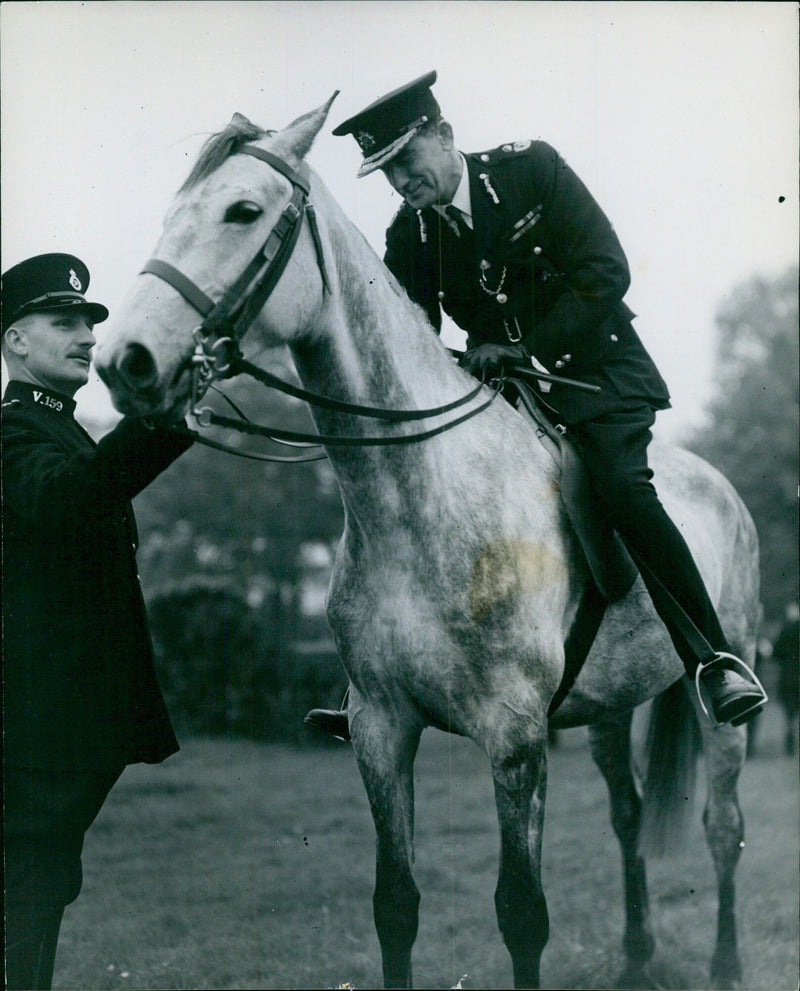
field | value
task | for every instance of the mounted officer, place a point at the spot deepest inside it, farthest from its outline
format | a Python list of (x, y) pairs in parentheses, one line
[(80, 695), (512, 245)]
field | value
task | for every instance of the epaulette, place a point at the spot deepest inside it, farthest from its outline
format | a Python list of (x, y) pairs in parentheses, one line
[(510, 150)]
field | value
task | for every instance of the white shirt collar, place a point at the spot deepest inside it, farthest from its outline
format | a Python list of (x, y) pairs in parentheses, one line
[(461, 199)]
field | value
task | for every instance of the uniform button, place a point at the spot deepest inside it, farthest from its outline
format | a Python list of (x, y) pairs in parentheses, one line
[(567, 357), (502, 298), (537, 250), (484, 158), (506, 147), (440, 294), (559, 363), (614, 338)]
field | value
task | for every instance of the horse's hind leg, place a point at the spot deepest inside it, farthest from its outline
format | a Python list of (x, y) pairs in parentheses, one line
[(520, 783), (725, 750), (611, 750), (385, 753)]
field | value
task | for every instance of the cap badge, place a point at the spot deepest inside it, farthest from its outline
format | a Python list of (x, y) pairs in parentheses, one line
[(366, 141), (74, 281)]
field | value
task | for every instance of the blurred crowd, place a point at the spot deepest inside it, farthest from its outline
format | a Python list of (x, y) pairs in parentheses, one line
[(778, 666)]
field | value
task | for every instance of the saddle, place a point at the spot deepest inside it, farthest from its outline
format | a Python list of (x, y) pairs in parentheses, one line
[(612, 567)]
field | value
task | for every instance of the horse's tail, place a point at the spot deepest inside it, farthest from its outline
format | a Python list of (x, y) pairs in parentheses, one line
[(673, 745)]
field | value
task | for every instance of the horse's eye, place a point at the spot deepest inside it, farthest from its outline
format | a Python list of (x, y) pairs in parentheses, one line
[(243, 212)]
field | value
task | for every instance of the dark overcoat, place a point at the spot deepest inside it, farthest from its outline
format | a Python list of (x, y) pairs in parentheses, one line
[(79, 684), (543, 265)]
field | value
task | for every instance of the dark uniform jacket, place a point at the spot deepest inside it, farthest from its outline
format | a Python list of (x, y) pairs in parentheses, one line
[(79, 685), (555, 279)]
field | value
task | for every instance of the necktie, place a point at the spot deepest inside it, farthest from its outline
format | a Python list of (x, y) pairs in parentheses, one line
[(462, 228)]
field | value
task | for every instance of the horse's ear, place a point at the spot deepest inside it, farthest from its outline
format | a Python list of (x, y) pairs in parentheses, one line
[(239, 121), (298, 137)]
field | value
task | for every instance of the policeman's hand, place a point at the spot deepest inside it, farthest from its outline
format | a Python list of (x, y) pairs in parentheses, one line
[(485, 359)]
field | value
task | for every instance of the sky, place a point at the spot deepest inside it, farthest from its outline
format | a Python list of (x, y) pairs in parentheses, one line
[(680, 117)]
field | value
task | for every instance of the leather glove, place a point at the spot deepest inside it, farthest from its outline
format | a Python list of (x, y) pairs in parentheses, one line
[(487, 358)]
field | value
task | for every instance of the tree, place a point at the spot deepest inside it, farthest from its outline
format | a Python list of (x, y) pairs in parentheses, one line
[(216, 514), (754, 422)]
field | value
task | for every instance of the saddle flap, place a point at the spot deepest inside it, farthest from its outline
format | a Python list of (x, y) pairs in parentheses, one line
[(609, 561)]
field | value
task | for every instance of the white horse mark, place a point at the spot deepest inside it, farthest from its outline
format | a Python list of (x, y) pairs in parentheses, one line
[(507, 568)]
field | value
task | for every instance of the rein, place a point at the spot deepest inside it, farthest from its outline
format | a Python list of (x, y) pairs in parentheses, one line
[(217, 354)]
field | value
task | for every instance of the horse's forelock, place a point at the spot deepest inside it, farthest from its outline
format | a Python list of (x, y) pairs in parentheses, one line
[(219, 148)]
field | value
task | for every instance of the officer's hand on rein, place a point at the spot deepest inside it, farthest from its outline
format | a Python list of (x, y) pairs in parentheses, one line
[(485, 359)]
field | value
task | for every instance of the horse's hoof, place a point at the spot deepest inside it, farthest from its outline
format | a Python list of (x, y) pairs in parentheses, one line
[(636, 977), (726, 982), (726, 971)]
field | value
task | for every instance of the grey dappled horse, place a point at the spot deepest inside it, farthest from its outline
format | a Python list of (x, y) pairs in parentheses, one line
[(457, 576)]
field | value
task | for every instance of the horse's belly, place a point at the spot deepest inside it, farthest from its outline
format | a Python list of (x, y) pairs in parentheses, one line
[(461, 670)]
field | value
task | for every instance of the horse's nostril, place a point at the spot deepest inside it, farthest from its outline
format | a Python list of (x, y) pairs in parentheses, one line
[(137, 366)]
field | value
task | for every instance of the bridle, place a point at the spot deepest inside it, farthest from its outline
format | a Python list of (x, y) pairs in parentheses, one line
[(217, 353), (225, 323)]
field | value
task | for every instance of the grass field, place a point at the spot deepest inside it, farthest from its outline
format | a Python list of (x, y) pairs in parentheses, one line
[(237, 865)]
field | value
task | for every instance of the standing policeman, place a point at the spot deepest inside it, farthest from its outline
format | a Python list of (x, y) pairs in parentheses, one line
[(511, 244), (80, 696)]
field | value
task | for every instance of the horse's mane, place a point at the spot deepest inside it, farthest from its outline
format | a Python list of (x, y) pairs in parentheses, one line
[(220, 146)]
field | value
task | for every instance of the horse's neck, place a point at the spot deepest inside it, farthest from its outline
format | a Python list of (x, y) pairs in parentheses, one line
[(373, 347)]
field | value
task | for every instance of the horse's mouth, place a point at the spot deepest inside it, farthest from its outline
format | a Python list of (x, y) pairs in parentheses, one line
[(150, 399)]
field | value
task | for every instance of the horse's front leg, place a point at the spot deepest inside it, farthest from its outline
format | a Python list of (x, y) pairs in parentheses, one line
[(385, 748), (520, 784), (610, 746)]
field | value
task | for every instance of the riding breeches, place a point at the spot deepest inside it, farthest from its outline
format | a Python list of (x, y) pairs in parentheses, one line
[(614, 449), (47, 813)]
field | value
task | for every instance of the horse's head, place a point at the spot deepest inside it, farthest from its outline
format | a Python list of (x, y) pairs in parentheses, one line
[(223, 223)]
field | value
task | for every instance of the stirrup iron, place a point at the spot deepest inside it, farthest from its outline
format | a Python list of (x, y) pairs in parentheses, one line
[(725, 660)]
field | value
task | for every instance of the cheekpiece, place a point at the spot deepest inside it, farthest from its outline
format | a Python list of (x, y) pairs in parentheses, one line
[(386, 126), (46, 282)]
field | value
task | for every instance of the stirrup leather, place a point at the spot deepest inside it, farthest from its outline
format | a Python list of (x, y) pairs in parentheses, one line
[(722, 659)]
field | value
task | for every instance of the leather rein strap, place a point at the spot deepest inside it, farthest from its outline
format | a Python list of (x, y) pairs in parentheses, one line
[(217, 338)]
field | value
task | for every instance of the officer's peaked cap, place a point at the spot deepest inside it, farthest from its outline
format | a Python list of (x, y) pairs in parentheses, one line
[(46, 282), (386, 126)]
